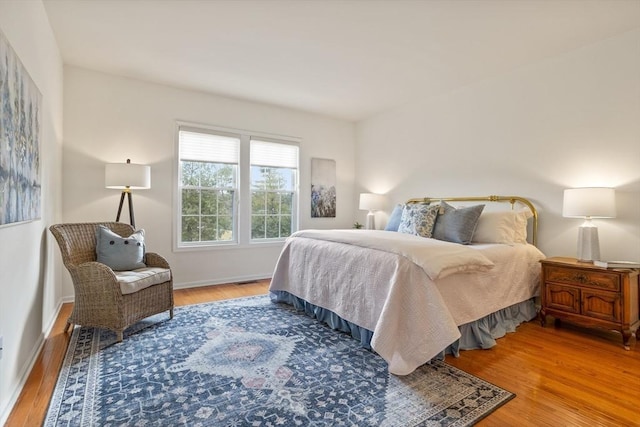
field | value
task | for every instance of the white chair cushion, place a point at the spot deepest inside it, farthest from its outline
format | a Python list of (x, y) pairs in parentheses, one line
[(141, 278)]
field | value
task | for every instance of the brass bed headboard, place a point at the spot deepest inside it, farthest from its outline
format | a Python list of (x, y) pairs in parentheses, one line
[(510, 199)]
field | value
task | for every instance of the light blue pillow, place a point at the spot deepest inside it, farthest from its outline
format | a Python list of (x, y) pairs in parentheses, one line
[(418, 219), (394, 219), (120, 253), (456, 225)]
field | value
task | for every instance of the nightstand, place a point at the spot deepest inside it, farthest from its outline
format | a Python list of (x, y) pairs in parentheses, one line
[(590, 296)]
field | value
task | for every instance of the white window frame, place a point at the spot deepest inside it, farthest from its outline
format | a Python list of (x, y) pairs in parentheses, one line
[(242, 216), (291, 163)]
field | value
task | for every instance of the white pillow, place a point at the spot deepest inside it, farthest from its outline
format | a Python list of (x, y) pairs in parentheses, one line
[(507, 227)]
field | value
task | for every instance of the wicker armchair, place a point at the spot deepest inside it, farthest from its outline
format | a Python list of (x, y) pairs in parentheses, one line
[(99, 299)]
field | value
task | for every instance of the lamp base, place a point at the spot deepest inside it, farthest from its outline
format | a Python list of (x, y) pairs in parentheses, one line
[(371, 221), (588, 244), (132, 219)]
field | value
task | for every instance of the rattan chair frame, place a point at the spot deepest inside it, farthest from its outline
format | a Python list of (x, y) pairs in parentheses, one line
[(99, 302)]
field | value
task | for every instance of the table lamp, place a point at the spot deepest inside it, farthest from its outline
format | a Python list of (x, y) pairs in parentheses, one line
[(371, 202), (588, 203)]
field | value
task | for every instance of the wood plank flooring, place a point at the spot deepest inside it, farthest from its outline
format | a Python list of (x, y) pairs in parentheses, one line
[(562, 376)]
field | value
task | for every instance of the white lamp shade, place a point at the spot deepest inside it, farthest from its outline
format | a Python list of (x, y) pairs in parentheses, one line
[(372, 202), (592, 202), (127, 175)]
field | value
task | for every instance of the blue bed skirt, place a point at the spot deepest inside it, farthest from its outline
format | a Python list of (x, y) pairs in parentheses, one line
[(480, 334)]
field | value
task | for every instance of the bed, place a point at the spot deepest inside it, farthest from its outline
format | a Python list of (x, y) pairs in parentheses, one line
[(452, 277)]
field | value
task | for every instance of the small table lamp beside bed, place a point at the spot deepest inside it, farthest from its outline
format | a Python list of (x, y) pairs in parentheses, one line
[(451, 278)]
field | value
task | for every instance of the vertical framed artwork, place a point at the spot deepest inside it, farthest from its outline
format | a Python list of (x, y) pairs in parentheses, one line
[(20, 126), (323, 188)]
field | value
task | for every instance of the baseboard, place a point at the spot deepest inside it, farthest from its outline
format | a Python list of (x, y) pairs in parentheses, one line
[(226, 280), (26, 370), (198, 284), (24, 374)]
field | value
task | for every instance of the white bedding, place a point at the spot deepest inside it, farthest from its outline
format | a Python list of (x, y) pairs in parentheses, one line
[(514, 278), (413, 318), (437, 258)]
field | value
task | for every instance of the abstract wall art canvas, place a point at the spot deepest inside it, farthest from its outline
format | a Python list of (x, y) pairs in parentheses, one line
[(323, 188), (20, 135)]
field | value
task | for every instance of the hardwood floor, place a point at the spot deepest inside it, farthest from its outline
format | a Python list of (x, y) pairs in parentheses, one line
[(562, 376)]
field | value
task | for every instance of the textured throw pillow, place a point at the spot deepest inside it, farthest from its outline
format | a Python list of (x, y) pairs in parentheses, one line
[(520, 228), (506, 227), (456, 225), (120, 253), (418, 219), (394, 219)]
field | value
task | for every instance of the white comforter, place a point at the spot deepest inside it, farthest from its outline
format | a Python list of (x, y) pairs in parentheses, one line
[(438, 259), (380, 281)]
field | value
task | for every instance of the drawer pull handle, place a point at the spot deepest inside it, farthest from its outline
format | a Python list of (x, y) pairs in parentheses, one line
[(580, 278)]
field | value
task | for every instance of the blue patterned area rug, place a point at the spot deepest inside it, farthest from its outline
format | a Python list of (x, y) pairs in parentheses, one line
[(250, 362)]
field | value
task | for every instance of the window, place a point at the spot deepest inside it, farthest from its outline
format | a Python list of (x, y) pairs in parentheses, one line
[(274, 168), (215, 168), (208, 187)]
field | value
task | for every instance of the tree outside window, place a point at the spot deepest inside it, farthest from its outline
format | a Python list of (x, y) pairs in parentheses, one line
[(272, 195)]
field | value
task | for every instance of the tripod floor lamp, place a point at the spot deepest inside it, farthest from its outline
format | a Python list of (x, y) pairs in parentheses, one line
[(126, 177)]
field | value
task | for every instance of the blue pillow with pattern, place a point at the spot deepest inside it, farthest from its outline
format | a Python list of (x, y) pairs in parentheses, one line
[(418, 219)]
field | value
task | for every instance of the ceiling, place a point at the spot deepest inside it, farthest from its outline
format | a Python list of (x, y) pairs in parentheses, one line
[(348, 59)]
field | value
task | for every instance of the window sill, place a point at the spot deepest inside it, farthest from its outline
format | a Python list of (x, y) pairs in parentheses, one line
[(230, 246)]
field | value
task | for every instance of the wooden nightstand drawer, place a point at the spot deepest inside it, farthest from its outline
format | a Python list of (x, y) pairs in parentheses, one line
[(564, 298), (602, 305), (592, 279)]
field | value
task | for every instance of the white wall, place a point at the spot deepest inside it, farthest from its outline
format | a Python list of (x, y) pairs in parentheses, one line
[(29, 264), (567, 121), (109, 119)]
